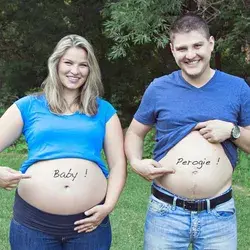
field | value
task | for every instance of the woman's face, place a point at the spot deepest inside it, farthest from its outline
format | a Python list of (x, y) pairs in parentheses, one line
[(73, 69)]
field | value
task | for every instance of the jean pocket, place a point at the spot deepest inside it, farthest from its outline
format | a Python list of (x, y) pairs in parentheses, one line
[(158, 207), (225, 211), (105, 222), (16, 223)]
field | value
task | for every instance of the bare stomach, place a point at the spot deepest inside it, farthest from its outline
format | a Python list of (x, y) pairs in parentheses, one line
[(202, 168), (64, 186)]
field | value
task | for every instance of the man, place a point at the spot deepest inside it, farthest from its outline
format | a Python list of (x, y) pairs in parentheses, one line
[(201, 116)]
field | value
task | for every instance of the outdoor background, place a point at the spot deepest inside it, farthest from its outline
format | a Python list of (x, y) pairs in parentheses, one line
[(130, 38)]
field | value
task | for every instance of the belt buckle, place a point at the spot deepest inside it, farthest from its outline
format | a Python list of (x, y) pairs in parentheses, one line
[(189, 204)]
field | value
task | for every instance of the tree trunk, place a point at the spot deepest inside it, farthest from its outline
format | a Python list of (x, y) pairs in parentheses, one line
[(218, 60)]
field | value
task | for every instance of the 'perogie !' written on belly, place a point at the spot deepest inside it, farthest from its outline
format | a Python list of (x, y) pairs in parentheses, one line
[(198, 163), (67, 175)]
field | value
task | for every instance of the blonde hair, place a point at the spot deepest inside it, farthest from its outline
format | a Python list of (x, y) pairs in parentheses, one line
[(91, 89)]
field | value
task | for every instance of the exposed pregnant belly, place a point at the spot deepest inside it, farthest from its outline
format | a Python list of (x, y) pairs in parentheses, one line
[(64, 186), (202, 168)]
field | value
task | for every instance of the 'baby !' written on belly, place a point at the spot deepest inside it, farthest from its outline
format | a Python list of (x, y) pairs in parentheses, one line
[(67, 174)]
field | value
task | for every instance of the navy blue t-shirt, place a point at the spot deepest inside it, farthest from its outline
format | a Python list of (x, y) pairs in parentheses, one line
[(175, 107)]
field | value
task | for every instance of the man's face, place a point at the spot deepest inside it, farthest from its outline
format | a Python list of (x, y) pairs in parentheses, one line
[(192, 53)]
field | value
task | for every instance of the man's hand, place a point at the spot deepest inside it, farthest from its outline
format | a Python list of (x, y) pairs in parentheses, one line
[(215, 131), (9, 178), (150, 169)]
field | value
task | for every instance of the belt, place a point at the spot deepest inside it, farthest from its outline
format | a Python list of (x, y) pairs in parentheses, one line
[(192, 205)]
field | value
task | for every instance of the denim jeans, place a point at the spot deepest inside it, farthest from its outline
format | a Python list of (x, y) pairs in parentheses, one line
[(171, 227), (25, 238)]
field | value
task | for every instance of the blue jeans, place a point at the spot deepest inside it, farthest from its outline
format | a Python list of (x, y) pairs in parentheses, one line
[(25, 238), (171, 227)]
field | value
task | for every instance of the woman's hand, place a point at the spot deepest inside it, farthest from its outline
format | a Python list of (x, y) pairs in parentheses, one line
[(9, 178), (98, 213)]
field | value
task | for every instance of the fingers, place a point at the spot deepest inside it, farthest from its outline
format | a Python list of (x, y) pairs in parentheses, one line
[(17, 174), (98, 213), (87, 224), (15, 178), (89, 220), (205, 130), (163, 170), (11, 187), (200, 125), (155, 164), (150, 169), (25, 176), (89, 229), (13, 171), (152, 177), (159, 169), (91, 211), (86, 228), (158, 172)]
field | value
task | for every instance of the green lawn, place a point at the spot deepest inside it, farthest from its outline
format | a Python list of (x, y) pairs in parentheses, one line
[(128, 217)]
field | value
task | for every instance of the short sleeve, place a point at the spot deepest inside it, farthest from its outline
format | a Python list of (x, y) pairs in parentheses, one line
[(146, 112), (24, 106), (106, 110), (244, 105)]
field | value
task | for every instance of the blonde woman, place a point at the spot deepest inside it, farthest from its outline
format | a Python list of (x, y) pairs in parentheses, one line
[(64, 191)]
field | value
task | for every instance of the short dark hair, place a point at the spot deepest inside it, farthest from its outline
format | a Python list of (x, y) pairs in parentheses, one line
[(189, 22)]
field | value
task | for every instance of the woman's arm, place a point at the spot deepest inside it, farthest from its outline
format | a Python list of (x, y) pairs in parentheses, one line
[(11, 125), (114, 151)]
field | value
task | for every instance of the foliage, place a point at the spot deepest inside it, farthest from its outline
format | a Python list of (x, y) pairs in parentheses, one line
[(7, 96), (130, 23), (25, 42), (149, 144), (1, 111), (232, 29), (242, 173), (133, 22), (29, 30), (137, 29), (19, 147)]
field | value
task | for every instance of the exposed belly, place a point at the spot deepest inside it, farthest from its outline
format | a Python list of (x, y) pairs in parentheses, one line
[(202, 168), (64, 186)]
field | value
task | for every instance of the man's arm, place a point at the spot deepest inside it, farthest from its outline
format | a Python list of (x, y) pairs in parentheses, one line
[(147, 168)]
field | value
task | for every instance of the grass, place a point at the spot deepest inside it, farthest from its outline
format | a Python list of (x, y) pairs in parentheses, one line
[(128, 217)]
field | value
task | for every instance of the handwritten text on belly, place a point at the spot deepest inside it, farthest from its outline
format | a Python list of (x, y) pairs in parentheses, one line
[(67, 175), (199, 164)]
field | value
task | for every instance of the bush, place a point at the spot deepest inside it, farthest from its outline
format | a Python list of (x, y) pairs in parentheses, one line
[(149, 144), (19, 146)]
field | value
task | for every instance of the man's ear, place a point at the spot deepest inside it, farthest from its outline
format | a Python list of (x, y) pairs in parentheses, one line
[(171, 47), (211, 42)]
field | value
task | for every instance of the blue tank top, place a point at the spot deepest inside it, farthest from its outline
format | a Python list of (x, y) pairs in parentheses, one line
[(54, 136), (175, 107)]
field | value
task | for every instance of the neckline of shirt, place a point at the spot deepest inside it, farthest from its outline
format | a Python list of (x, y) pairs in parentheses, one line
[(210, 81)]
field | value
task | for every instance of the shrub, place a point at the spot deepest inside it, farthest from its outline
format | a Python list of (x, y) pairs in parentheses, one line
[(149, 144)]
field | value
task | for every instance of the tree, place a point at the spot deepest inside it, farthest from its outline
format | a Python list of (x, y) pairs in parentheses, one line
[(133, 22)]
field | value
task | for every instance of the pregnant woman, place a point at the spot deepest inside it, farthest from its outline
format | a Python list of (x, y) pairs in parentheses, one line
[(64, 191)]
